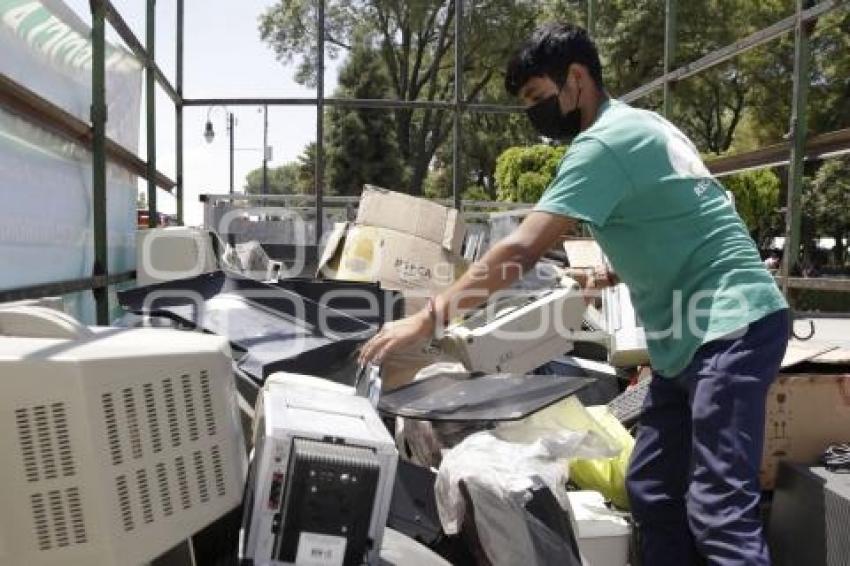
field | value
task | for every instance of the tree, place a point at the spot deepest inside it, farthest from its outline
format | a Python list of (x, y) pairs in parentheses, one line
[(826, 203), (415, 40), (523, 173), (710, 106), (307, 169), (757, 202), (361, 143), (485, 137), (282, 180)]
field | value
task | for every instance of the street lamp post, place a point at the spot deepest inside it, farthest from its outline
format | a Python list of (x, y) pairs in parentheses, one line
[(265, 149), (209, 135)]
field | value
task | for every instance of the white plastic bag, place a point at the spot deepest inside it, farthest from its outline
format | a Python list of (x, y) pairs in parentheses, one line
[(499, 475)]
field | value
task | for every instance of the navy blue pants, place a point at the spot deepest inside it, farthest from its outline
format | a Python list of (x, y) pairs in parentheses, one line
[(693, 478)]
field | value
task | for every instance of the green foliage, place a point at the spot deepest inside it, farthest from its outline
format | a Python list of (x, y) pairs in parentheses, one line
[(282, 180), (361, 144), (826, 204), (757, 202), (404, 49), (475, 193), (438, 183), (523, 173), (414, 40)]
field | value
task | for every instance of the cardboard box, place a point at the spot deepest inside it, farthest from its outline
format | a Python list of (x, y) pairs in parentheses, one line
[(603, 535), (416, 267), (583, 252), (805, 414), (406, 244), (412, 216)]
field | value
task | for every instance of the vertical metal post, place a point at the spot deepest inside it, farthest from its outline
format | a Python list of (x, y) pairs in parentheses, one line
[(798, 133), (98, 119), (457, 140), (231, 134), (265, 149), (670, 25), (178, 109), (150, 105), (591, 17), (320, 120)]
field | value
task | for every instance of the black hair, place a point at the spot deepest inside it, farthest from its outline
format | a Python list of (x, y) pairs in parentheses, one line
[(549, 52)]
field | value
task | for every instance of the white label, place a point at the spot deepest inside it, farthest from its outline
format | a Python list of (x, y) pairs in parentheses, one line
[(320, 550)]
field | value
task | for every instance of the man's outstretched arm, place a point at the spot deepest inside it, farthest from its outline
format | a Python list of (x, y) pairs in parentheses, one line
[(503, 264)]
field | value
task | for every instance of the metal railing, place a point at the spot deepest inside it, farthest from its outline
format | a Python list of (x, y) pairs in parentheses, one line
[(93, 136)]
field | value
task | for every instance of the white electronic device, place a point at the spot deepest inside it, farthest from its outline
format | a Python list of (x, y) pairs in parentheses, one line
[(518, 333), (321, 480), (173, 252), (117, 443), (616, 323), (627, 339)]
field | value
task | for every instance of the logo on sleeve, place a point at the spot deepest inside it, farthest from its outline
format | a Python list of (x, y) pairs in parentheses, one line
[(684, 159), (683, 156)]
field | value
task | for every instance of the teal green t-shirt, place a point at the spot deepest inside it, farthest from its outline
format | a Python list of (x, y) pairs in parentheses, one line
[(669, 230)]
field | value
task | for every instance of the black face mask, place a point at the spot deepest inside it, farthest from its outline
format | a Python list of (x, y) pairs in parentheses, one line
[(547, 118)]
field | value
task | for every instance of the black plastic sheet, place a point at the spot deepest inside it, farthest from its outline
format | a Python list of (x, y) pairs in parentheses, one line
[(366, 301), (277, 329), (495, 397)]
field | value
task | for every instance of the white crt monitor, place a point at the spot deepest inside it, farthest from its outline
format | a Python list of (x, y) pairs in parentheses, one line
[(117, 443), (173, 252)]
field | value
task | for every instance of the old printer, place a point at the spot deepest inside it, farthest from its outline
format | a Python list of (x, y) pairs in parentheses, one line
[(321, 481)]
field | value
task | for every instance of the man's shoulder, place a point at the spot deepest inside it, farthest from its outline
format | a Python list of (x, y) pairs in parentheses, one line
[(619, 117), (622, 128)]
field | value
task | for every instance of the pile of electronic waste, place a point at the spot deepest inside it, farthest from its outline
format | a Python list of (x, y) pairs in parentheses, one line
[(225, 417), (431, 458)]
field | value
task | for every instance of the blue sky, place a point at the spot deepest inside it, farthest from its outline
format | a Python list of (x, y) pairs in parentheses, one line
[(224, 57)]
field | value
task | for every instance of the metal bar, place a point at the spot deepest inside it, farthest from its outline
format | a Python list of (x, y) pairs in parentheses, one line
[(22, 101), (821, 146), (150, 109), (357, 103), (591, 17), (165, 84), (231, 132), (265, 149), (249, 101), (320, 120), (725, 53), (815, 283), (670, 29), (493, 109), (123, 30), (799, 131), (344, 200), (457, 126), (178, 109), (65, 287), (98, 119)]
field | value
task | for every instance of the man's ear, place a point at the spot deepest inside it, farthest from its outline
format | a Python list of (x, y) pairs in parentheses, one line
[(577, 73)]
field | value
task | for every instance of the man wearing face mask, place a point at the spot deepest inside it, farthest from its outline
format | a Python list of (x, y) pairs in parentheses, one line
[(717, 325)]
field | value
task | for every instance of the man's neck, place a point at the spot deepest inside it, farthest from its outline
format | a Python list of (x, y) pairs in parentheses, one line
[(591, 112)]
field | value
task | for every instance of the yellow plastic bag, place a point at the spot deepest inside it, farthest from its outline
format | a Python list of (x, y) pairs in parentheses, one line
[(606, 475)]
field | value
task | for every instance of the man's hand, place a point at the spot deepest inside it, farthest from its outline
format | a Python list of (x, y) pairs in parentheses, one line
[(591, 279), (396, 335)]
